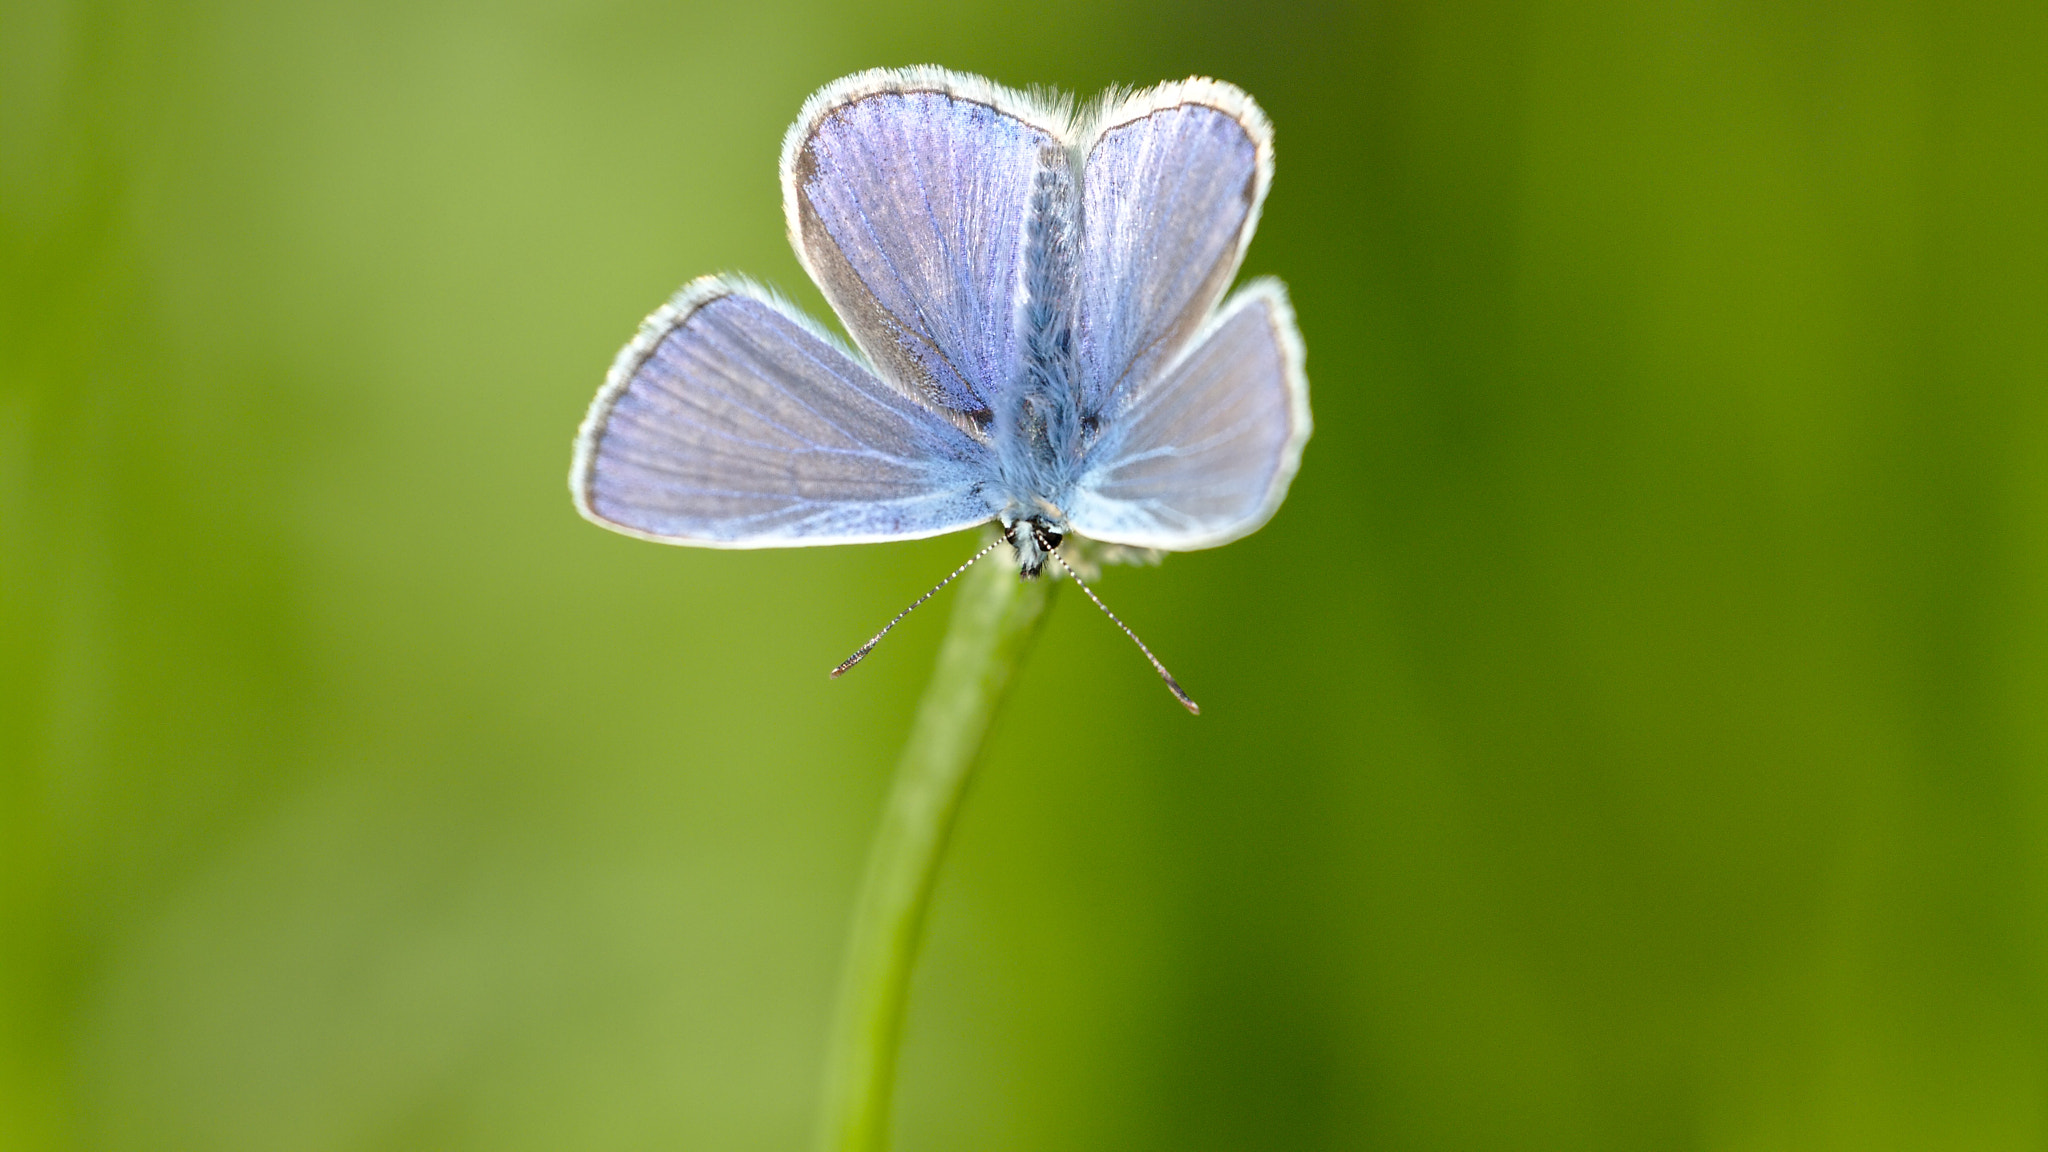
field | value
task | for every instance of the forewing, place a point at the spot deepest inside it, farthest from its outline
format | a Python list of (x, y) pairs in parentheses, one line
[(906, 194), (1172, 185), (1204, 454), (729, 422)]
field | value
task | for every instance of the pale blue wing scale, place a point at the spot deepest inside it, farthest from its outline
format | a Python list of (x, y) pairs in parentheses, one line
[(733, 422), (906, 194), (1172, 185), (1204, 454)]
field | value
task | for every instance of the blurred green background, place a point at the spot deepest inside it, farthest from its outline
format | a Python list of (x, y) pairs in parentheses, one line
[(1632, 733)]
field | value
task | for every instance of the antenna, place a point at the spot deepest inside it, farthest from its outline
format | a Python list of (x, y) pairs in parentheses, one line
[(868, 647), (1171, 683)]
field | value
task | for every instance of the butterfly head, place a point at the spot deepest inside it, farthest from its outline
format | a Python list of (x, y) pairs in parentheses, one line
[(1034, 537)]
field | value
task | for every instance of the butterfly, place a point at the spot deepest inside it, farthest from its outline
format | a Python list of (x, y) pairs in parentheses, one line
[(1040, 338)]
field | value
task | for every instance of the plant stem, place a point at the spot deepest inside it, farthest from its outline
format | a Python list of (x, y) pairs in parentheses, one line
[(996, 618)]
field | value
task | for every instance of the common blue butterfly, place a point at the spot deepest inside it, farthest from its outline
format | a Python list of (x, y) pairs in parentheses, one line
[(1033, 295)]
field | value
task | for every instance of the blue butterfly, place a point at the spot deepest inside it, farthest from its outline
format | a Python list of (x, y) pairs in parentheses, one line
[(1034, 296)]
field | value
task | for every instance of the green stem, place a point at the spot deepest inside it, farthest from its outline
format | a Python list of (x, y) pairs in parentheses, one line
[(994, 621)]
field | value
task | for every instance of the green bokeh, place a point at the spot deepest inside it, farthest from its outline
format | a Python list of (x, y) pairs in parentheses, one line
[(1632, 733)]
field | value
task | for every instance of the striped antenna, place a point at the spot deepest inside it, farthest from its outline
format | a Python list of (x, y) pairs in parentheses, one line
[(1172, 684), (868, 647)]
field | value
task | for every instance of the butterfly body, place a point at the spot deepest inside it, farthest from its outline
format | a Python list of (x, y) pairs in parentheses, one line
[(1040, 336), (1039, 432)]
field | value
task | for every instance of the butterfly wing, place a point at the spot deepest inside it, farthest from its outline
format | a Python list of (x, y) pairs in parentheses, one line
[(1204, 454), (907, 194), (733, 422), (1173, 180)]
